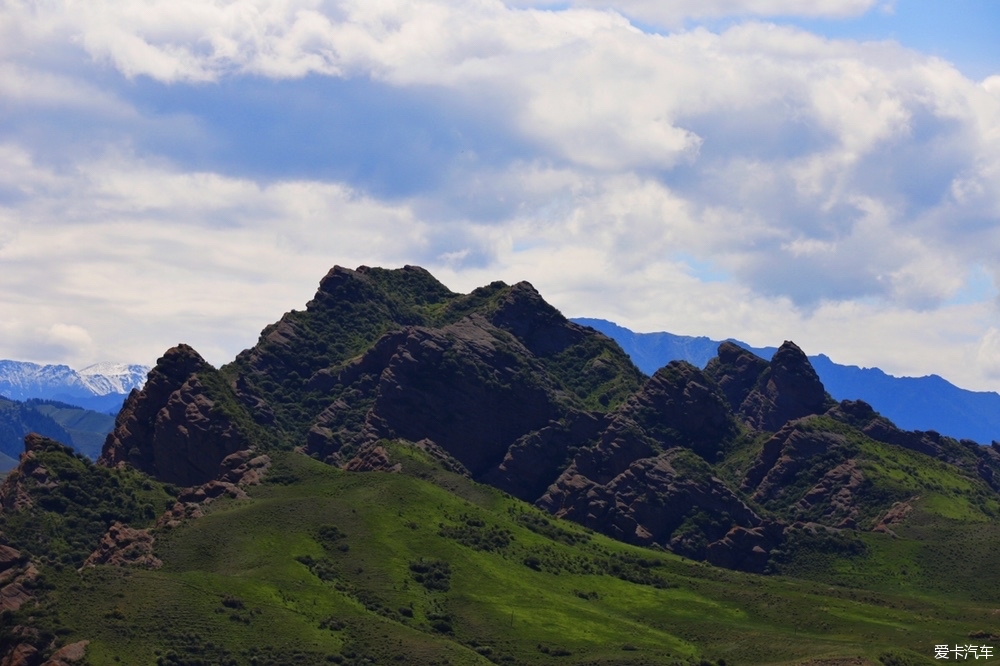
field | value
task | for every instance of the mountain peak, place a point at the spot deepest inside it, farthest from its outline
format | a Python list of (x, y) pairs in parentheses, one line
[(767, 395), (787, 390)]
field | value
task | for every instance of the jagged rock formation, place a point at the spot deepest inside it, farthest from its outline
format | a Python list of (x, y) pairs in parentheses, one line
[(627, 483), (649, 502), (17, 574), (172, 428), (14, 496), (467, 387), (766, 396), (499, 386)]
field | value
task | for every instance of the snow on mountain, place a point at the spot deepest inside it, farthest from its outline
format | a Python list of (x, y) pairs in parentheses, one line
[(102, 386), (105, 378)]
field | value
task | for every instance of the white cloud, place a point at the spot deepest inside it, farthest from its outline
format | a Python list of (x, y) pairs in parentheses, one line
[(841, 189), (147, 256), (988, 353), (674, 13)]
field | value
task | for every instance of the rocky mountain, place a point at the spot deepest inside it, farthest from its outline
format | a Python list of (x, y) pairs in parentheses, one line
[(917, 403), (424, 453), (507, 391), (100, 387)]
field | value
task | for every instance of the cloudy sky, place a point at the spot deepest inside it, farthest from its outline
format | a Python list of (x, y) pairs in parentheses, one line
[(825, 171)]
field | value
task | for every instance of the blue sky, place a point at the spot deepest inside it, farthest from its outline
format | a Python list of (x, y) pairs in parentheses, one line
[(963, 32), (824, 171)]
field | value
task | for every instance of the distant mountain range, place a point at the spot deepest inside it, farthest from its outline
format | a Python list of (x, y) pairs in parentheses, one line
[(101, 387), (913, 403), (82, 429)]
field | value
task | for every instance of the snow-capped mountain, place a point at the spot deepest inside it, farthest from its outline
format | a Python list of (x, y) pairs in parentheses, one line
[(101, 387), (105, 378)]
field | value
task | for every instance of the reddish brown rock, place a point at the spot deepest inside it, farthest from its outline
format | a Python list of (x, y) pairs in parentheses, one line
[(30, 473), (372, 459), (17, 592), (735, 370), (535, 459), (789, 389), (70, 654), (244, 468), (125, 546), (178, 513), (171, 429), (835, 495), (783, 455), (895, 515), (9, 557), (743, 549), (23, 654), (648, 501), (469, 388)]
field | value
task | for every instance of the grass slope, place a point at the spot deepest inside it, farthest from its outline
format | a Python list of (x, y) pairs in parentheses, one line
[(425, 567)]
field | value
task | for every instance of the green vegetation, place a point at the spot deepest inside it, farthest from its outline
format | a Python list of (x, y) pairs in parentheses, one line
[(75, 502), (323, 566), (82, 429), (87, 429)]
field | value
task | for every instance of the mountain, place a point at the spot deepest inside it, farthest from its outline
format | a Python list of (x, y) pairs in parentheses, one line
[(915, 403), (100, 387), (82, 429), (403, 474)]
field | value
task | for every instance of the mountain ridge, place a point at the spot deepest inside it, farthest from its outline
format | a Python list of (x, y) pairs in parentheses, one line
[(915, 403), (402, 473), (98, 387)]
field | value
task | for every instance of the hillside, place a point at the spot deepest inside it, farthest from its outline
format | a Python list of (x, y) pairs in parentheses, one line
[(403, 474), (914, 403), (82, 429)]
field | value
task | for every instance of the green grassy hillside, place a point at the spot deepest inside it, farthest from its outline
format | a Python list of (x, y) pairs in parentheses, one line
[(425, 567)]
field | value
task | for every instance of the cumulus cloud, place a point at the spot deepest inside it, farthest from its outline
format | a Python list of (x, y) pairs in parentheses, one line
[(675, 13), (833, 185), (147, 256)]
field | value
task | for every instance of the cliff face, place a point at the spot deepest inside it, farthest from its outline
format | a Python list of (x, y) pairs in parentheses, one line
[(173, 429), (468, 387)]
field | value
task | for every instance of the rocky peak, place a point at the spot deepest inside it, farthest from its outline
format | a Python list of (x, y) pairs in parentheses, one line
[(336, 277), (736, 371), (171, 429), (788, 389), (539, 326), (681, 406)]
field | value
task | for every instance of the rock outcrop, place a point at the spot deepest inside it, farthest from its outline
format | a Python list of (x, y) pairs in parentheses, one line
[(17, 575), (73, 653), (735, 370), (788, 389), (173, 429), (469, 387), (239, 470), (653, 498), (14, 495), (124, 546)]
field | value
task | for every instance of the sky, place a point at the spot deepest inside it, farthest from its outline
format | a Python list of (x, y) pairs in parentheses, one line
[(823, 171)]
